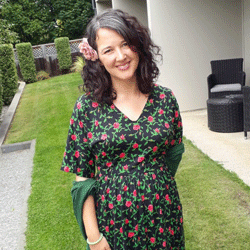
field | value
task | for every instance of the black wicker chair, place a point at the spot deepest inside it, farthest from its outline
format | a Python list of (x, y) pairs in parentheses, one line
[(227, 77), (246, 107)]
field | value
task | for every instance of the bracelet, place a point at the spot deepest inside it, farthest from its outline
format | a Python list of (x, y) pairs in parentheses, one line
[(93, 243)]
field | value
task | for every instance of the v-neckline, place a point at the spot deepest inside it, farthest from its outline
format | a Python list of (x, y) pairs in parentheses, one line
[(148, 99)]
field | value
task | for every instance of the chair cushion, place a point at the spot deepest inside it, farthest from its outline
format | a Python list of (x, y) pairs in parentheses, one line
[(226, 87)]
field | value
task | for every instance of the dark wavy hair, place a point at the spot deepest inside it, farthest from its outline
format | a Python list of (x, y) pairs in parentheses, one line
[(97, 80)]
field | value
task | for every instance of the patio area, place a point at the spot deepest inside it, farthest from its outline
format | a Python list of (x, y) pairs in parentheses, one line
[(229, 149)]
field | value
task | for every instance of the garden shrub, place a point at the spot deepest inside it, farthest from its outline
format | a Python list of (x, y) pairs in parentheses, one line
[(78, 65), (63, 53), (26, 62), (42, 75), (9, 73), (1, 94)]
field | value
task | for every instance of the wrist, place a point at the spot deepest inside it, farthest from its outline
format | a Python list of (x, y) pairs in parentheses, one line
[(95, 242), (94, 236)]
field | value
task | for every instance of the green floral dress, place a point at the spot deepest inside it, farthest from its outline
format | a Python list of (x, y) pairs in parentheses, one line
[(138, 205)]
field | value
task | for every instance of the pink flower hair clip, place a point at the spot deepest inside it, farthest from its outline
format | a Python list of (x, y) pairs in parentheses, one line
[(88, 52)]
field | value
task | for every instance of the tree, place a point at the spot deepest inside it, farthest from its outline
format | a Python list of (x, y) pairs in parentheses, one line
[(41, 21), (6, 35)]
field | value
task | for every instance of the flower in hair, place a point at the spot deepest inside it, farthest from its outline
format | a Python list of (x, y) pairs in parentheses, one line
[(88, 52)]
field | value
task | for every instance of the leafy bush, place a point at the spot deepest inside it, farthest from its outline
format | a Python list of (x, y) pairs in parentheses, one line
[(63, 53), (42, 75), (1, 94), (78, 64), (26, 62), (9, 73)]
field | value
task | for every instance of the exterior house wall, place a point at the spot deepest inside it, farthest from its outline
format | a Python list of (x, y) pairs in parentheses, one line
[(103, 5), (191, 34), (136, 8), (246, 39)]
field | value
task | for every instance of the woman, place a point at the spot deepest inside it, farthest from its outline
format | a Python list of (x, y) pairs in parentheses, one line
[(125, 142)]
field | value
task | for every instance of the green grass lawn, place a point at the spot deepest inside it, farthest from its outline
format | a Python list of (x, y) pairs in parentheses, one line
[(216, 204)]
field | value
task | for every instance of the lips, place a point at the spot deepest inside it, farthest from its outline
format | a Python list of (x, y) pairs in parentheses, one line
[(124, 66)]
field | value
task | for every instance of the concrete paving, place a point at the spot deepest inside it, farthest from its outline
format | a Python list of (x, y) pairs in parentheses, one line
[(15, 179), (229, 149)]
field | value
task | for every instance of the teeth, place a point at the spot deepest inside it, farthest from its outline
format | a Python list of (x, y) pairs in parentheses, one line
[(124, 66)]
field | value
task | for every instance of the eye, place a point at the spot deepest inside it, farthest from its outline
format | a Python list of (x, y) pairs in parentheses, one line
[(125, 44), (107, 51)]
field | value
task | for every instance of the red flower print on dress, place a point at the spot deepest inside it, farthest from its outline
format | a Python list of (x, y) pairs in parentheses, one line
[(153, 221), (135, 146), (152, 240), (125, 188), (119, 197), (131, 234), (104, 137), (176, 114), (154, 176), (64, 154), (160, 211), (125, 167), (161, 111), (134, 193), (122, 155), (138, 183), (73, 137), (96, 157), (142, 197), (103, 154), (66, 169), (166, 125), (108, 190), (77, 154), (91, 162), (146, 230), (181, 220), (166, 142), (151, 100), (116, 125), (128, 203), (126, 221), (122, 137), (150, 118), (90, 135), (157, 196), (179, 124), (136, 227), (179, 207), (162, 96), (180, 141), (79, 105), (157, 130), (140, 159), (85, 139), (155, 148), (96, 123), (107, 229), (109, 164), (92, 175), (136, 127), (112, 222), (150, 208), (94, 104), (112, 106), (164, 244), (103, 198), (172, 142), (81, 124), (111, 206), (161, 230), (121, 230), (71, 121)]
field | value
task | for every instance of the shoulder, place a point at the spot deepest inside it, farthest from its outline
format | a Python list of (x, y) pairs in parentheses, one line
[(163, 92)]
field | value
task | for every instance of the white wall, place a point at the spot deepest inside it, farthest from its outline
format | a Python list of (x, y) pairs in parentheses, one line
[(103, 5), (137, 8), (191, 34), (246, 39)]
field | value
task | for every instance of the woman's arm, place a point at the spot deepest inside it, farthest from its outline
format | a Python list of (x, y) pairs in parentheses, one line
[(90, 222)]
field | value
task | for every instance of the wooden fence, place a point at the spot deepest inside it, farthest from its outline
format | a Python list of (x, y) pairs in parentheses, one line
[(46, 57)]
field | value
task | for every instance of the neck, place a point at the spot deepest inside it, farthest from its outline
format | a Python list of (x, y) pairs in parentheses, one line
[(126, 89)]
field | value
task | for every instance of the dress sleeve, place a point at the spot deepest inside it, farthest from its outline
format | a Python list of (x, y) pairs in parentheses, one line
[(176, 147), (77, 157)]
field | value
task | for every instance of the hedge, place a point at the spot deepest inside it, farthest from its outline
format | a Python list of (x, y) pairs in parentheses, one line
[(63, 53), (1, 94), (26, 62), (8, 72)]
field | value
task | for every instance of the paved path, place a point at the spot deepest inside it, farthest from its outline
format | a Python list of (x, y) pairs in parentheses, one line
[(229, 149), (15, 179)]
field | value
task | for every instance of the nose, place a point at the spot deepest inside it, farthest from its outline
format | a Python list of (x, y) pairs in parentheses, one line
[(120, 55)]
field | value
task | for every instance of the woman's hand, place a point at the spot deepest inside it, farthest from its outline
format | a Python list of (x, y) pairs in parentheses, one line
[(102, 245)]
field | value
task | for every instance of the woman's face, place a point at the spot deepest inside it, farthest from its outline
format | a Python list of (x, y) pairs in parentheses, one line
[(116, 56)]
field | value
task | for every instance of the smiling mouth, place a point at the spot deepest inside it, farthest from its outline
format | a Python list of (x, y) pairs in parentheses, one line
[(123, 67)]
